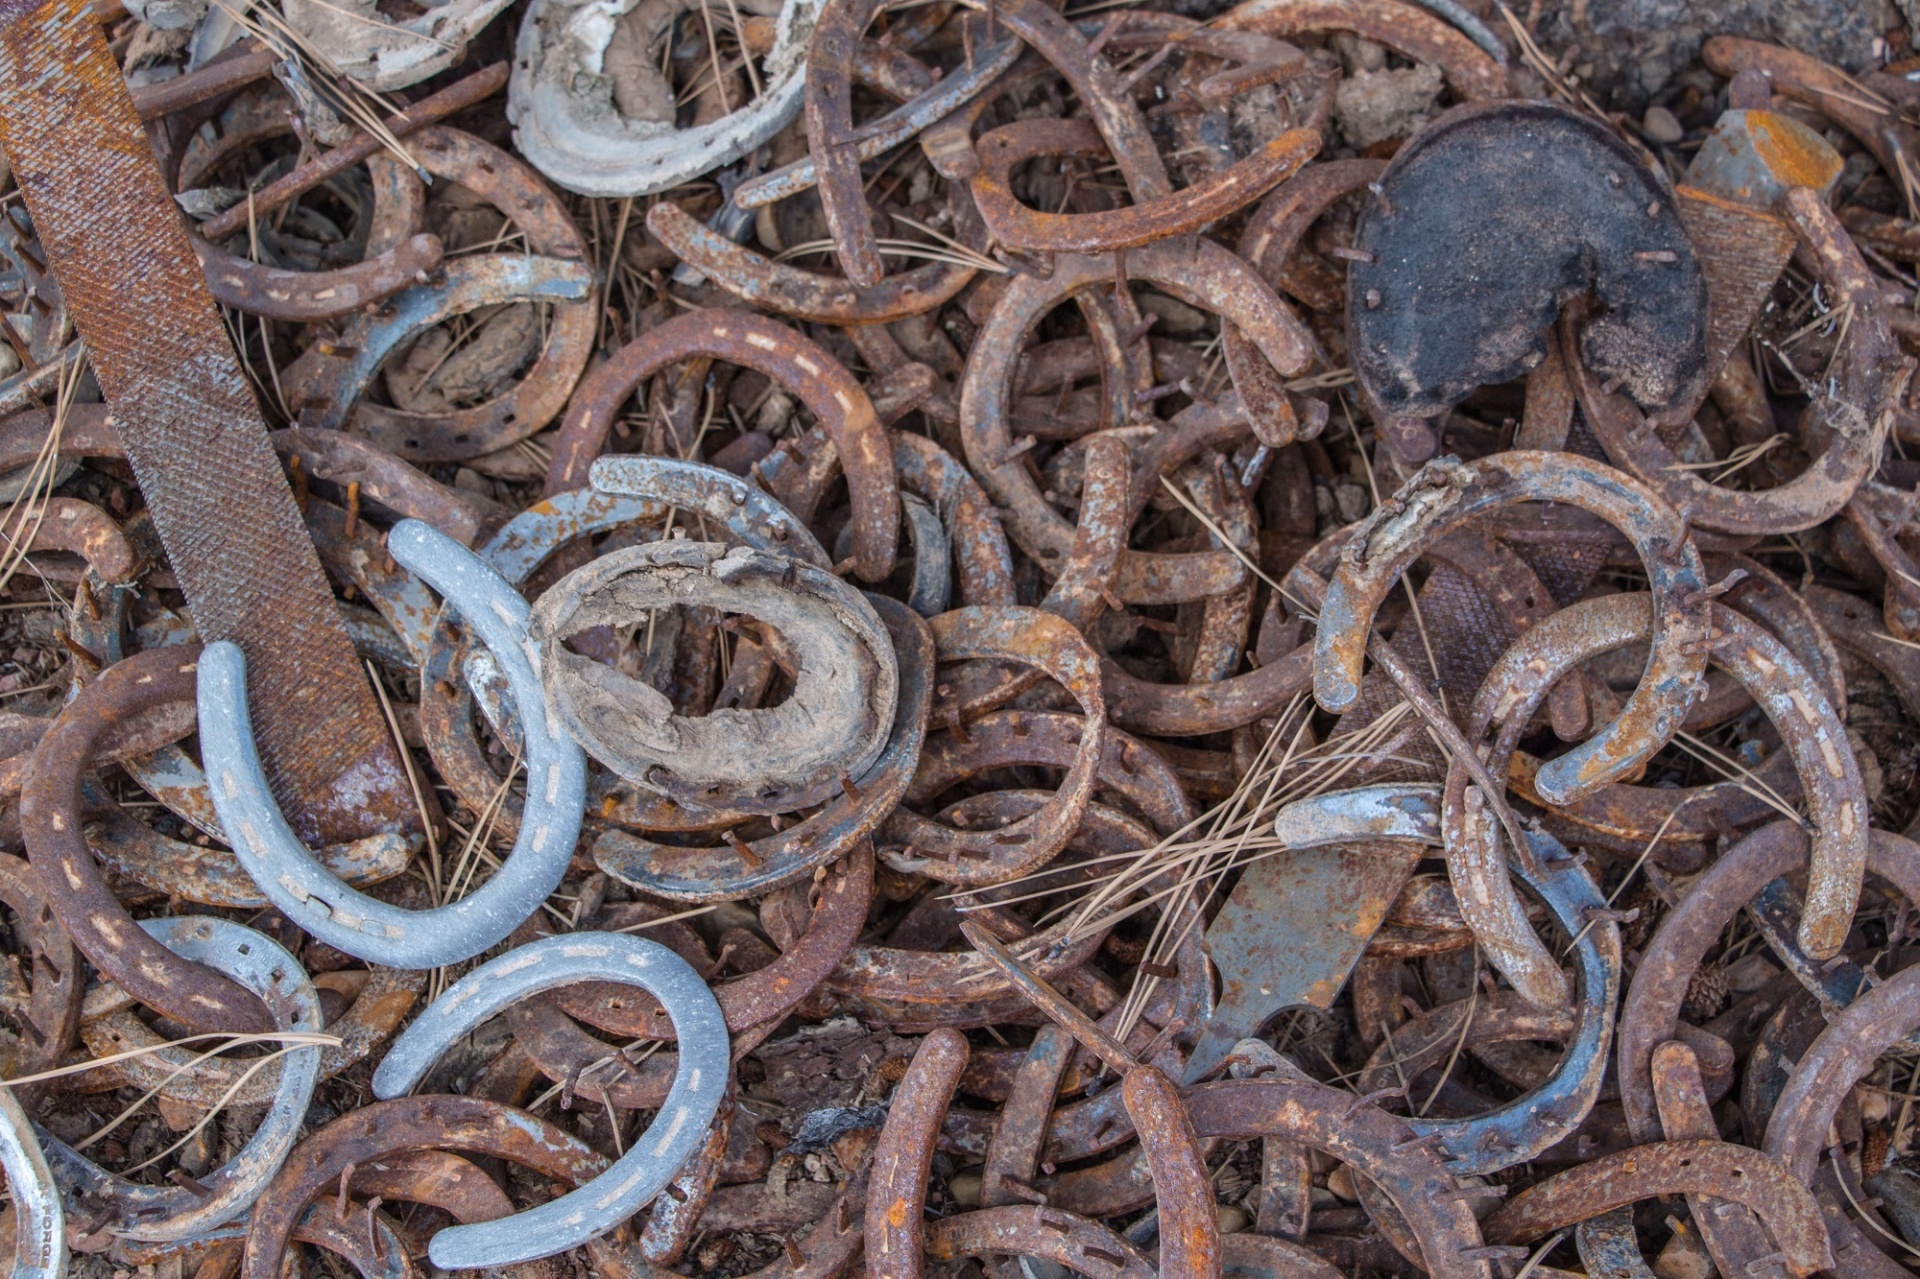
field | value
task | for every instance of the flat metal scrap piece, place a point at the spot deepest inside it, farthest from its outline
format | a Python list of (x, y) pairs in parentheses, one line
[(1292, 930), (191, 429), (652, 1159)]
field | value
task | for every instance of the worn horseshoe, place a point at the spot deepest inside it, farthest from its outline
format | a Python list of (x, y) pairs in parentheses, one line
[(303, 888), (653, 1159), (263, 966), (1848, 409), (788, 357), (1445, 495)]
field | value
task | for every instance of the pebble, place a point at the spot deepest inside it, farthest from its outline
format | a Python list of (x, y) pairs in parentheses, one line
[(1660, 125)]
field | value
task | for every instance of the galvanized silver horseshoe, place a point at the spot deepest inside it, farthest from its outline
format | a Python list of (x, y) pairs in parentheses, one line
[(167, 1213), (40, 1230), (653, 1159), (303, 889)]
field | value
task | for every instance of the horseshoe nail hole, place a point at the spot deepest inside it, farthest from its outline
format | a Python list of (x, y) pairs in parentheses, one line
[(244, 948)]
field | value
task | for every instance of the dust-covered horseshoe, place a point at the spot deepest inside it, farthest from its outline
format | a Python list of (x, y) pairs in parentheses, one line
[(1518, 1130), (834, 724), (762, 865), (1445, 495), (263, 966), (1810, 730), (568, 126), (797, 294), (788, 357), (1016, 226), (652, 1160), (40, 1231), (326, 384), (1848, 410), (301, 887), (1196, 271)]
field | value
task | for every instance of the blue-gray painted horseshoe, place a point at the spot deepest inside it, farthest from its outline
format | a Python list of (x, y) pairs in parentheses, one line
[(302, 888), (1521, 1129), (39, 1225), (652, 1160), (167, 1213), (747, 512)]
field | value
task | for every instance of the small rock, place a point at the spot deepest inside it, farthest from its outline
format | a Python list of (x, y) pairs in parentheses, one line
[(1232, 1220), (1376, 106), (1660, 125), (965, 1189), (1350, 500), (1340, 1182)]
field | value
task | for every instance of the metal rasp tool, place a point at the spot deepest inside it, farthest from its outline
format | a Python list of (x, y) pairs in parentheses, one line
[(192, 430)]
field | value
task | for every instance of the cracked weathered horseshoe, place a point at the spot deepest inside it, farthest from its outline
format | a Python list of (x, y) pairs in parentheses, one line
[(760, 865), (788, 357), (301, 886), (833, 725), (568, 125), (1445, 495), (263, 966), (654, 1158)]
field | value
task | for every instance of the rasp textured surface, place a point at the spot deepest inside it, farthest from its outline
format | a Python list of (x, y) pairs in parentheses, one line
[(191, 428)]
